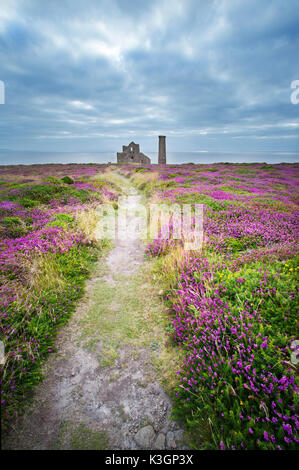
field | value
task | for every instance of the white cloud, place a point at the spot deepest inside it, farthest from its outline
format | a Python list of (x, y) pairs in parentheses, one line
[(8, 13), (112, 36), (81, 105)]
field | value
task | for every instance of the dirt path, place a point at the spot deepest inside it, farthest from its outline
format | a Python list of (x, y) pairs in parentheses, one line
[(101, 389)]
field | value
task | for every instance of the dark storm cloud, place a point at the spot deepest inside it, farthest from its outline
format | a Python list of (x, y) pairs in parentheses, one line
[(89, 75)]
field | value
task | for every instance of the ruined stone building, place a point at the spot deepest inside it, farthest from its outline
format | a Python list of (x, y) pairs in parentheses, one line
[(131, 154)]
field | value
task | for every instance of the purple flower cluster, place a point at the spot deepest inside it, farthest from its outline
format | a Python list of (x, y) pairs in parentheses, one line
[(237, 372), (233, 358), (33, 228)]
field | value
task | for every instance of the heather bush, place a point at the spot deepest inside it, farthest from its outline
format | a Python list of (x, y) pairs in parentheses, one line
[(28, 203), (47, 248), (272, 290), (30, 324), (234, 307), (237, 387), (67, 180), (13, 227)]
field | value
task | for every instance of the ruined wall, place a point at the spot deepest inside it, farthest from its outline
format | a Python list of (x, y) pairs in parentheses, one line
[(132, 147), (132, 158), (131, 154)]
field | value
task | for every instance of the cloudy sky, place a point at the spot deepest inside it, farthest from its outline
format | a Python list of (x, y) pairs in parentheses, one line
[(93, 75)]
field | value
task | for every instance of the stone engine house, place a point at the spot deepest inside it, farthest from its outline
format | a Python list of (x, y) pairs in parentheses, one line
[(131, 154)]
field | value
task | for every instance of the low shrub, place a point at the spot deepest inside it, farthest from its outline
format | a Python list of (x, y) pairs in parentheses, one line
[(13, 227), (30, 326), (237, 390), (234, 307), (67, 180), (63, 221), (46, 252)]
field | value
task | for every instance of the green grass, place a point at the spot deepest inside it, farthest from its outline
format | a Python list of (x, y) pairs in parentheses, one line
[(131, 313), (64, 221), (32, 195), (48, 305), (268, 294), (73, 436), (208, 201)]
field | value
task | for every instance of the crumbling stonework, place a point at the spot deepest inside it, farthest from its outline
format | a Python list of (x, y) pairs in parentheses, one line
[(131, 154)]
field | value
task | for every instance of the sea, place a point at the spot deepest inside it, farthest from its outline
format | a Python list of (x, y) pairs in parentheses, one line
[(202, 156)]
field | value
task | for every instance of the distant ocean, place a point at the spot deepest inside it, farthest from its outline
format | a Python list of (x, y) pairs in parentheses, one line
[(202, 156)]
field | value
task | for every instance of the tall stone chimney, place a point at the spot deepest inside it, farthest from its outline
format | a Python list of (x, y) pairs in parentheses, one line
[(162, 150)]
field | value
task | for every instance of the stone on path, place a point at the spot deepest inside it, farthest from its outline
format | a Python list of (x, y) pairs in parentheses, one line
[(170, 442), (144, 437), (160, 442)]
